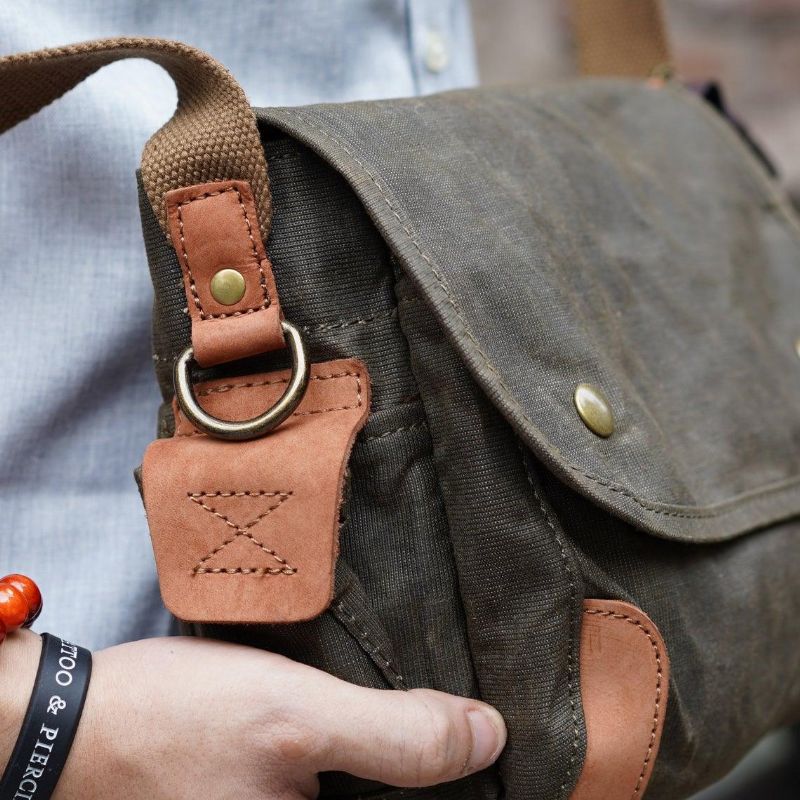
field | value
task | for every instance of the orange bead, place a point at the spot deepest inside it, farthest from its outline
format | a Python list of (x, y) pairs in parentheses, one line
[(2, 631), (29, 590), (14, 608)]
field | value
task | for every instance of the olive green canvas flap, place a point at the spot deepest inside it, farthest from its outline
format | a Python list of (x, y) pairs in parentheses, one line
[(607, 232)]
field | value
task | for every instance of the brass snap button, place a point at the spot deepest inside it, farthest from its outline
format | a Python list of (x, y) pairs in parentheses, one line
[(228, 287), (594, 409)]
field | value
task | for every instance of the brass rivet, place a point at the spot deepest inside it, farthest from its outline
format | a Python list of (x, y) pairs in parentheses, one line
[(594, 409), (228, 287)]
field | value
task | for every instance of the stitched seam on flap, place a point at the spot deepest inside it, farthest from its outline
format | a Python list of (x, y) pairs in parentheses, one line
[(653, 507), (193, 287), (659, 678), (685, 512)]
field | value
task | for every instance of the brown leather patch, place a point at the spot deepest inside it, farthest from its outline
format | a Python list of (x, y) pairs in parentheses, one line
[(248, 532), (624, 687), (214, 226)]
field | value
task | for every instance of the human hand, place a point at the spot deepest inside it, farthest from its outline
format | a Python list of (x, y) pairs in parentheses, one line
[(180, 718)]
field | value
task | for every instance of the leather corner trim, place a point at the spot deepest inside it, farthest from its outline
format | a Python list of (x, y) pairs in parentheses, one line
[(624, 689)]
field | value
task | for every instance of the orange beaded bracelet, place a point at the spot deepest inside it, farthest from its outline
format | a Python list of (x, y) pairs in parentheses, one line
[(20, 603)]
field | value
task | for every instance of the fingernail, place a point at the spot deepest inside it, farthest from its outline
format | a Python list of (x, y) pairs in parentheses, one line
[(488, 737)]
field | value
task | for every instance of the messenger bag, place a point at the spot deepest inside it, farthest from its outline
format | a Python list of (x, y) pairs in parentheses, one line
[(495, 391)]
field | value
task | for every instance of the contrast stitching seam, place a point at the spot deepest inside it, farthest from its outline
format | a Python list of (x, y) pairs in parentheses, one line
[(646, 505), (193, 287), (235, 493), (241, 530), (707, 513), (196, 497), (233, 386), (573, 599), (372, 648), (414, 427), (244, 571), (659, 679), (358, 391), (329, 326), (270, 382)]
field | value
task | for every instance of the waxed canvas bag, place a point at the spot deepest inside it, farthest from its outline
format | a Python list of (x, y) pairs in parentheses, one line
[(493, 391)]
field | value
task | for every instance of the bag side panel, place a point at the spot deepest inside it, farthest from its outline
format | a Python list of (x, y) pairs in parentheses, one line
[(517, 575)]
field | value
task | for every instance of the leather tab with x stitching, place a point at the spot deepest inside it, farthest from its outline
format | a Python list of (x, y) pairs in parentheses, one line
[(241, 546), (247, 532)]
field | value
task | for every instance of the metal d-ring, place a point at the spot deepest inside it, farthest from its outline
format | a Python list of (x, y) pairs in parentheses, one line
[(249, 428)]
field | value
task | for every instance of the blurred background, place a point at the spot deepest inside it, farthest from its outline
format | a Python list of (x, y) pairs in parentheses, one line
[(752, 49)]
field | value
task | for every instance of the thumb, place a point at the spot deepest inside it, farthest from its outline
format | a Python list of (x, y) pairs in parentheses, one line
[(416, 738)]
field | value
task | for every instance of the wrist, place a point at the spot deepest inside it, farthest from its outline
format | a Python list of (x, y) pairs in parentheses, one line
[(90, 761), (19, 661), (51, 720)]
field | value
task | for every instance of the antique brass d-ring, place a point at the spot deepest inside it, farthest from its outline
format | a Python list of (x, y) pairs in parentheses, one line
[(249, 428)]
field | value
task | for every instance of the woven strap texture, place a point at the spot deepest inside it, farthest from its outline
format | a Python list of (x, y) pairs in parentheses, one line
[(212, 135), (620, 37)]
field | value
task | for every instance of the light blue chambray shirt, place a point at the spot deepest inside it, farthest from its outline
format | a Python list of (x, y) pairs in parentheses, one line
[(78, 399)]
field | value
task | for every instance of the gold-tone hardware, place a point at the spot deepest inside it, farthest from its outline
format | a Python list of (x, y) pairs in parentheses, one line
[(797, 347), (594, 409), (228, 287)]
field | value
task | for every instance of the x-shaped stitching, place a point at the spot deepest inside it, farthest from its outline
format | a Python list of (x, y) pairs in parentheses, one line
[(242, 529)]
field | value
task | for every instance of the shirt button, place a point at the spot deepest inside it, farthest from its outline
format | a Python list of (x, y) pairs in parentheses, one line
[(436, 55)]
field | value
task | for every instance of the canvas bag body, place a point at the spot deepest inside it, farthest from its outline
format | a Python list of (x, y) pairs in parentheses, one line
[(516, 238), (481, 253)]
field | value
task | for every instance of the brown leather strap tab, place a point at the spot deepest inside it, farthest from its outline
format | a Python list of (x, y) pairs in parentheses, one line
[(213, 227), (212, 136), (624, 687), (247, 532), (621, 37)]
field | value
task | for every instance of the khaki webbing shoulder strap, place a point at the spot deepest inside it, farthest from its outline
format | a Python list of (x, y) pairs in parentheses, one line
[(621, 37), (212, 135)]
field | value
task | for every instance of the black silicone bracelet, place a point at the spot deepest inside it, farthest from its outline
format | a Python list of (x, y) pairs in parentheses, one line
[(50, 722)]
